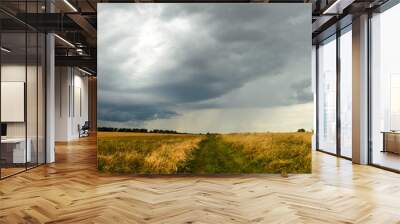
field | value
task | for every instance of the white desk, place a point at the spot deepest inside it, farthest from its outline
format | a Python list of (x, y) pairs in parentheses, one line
[(19, 155)]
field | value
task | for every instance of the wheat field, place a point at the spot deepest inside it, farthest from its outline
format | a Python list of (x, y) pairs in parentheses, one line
[(155, 153)]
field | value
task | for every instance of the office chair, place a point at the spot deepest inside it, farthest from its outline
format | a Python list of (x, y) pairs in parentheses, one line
[(84, 130)]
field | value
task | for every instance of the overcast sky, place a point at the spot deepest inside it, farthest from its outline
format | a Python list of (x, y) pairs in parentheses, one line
[(205, 67)]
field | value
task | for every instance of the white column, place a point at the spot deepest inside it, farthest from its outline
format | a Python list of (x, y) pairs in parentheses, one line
[(50, 99), (50, 92), (360, 90)]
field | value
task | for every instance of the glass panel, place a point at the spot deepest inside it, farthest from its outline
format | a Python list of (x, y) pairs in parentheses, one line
[(346, 93), (327, 96), (31, 98), (13, 88), (385, 84), (23, 90), (32, 88)]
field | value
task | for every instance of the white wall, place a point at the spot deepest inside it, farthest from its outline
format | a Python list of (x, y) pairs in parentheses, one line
[(80, 109), (62, 82), (71, 87)]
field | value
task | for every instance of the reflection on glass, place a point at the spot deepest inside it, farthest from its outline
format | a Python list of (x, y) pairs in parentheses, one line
[(327, 96)]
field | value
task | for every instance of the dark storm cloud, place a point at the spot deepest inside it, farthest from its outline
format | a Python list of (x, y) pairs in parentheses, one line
[(302, 91), (135, 113), (171, 55)]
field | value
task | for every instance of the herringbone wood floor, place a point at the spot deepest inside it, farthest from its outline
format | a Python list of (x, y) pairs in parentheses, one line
[(71, 191)]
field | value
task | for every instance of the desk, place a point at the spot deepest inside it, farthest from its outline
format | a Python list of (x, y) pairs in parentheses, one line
[(13, 150), (391, 141)]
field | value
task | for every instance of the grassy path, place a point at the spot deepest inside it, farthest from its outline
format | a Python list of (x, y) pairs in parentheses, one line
[(213, 155)]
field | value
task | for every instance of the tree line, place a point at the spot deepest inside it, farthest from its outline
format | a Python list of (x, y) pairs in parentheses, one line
[(138, 130), (144, 130)]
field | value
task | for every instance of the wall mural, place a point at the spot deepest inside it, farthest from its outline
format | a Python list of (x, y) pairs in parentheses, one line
[(204, 88)]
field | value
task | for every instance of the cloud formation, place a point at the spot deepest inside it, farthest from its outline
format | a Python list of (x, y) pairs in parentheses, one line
[(164, 61)]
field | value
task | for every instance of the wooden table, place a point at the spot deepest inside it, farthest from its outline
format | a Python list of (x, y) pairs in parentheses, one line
[(391, 141)]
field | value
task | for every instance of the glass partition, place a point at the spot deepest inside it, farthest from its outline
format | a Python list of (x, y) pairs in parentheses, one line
[(14, 153), (22, 107), (327, 95)]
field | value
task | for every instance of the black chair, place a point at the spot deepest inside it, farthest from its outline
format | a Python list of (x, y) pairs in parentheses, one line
[(84, 130)]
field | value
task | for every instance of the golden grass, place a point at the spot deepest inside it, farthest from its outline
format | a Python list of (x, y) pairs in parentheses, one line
[(126, 152), (166, 158), (156, 153), (260, 142), (285, 152)]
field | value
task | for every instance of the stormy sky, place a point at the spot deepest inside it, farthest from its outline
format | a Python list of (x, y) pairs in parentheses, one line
[(205, 67)]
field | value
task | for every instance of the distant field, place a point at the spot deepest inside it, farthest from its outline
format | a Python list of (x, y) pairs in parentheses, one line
[(153, 153)]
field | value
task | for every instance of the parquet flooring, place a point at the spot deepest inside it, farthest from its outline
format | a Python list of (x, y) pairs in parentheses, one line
[(71, 191), (11, 170)]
